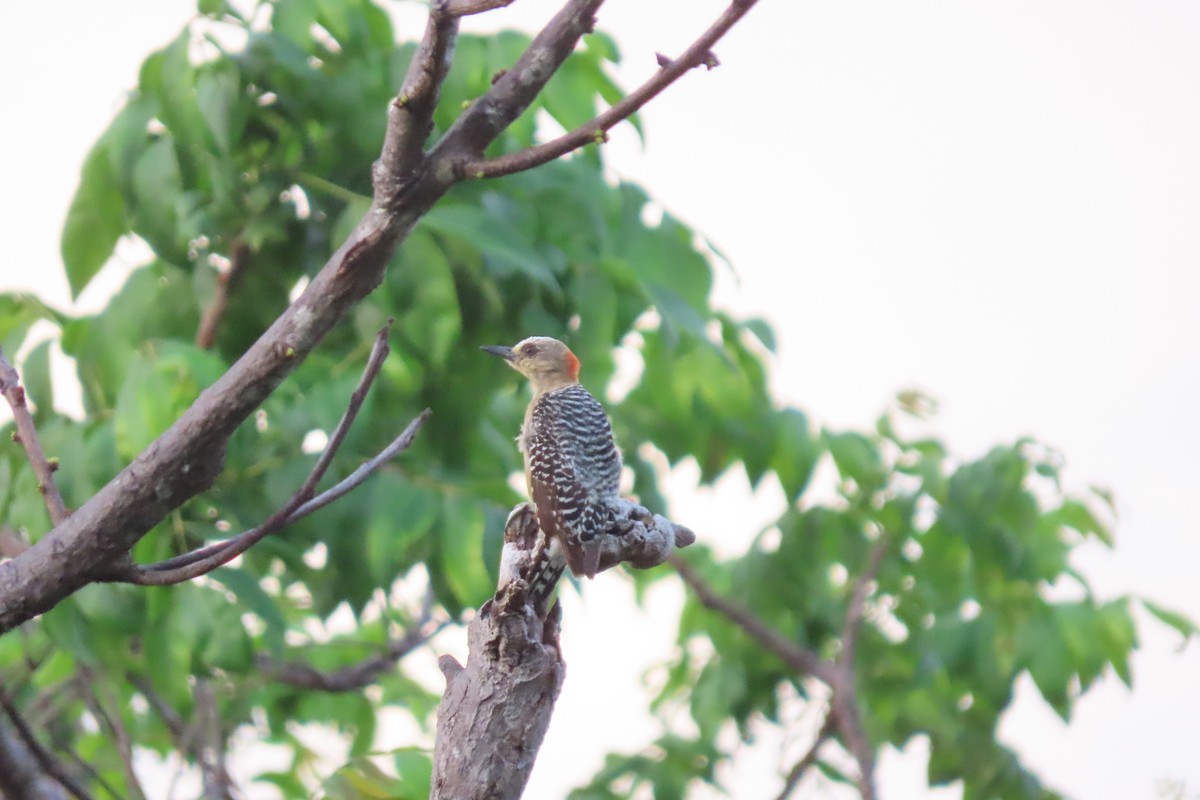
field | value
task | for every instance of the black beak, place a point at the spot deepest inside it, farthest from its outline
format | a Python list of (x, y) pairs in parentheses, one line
[(498, 350)]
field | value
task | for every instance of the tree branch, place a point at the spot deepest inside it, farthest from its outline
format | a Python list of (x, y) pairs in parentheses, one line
[(839, 676), (21, 775), (357, 676), (858, 603), (515, 90), (410, 114), (26, 434), (206, 334), (808, 759), (593, 132), (45, 759), (495, 711), (799, 658), (116, 727), (465, 8), (211, 750), (204, 560)]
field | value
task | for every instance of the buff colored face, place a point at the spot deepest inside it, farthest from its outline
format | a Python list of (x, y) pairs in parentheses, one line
[(541, 359)]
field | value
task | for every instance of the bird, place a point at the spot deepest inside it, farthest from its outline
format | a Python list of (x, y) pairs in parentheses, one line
[(572, 463)]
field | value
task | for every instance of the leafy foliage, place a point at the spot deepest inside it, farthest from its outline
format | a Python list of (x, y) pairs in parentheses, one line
[(268, 147)]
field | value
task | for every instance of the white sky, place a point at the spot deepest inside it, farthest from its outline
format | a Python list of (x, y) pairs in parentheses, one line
[(994, 202)]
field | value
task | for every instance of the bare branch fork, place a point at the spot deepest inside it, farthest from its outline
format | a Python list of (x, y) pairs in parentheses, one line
[(302, 503), (843, 716)]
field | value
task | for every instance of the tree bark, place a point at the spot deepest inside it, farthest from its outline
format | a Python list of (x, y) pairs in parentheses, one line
[(495, 711)]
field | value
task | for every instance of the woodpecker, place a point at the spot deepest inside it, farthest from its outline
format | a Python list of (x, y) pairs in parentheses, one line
[(572, 464)]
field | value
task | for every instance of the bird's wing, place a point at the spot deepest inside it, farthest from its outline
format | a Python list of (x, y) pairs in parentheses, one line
[(564, 509)]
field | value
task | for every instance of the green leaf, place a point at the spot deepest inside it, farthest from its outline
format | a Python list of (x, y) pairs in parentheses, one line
[(35, 374), (857, 458), (1075, 514), (95, 220), (1176, 620), (493, 238), (762, 331), (796, 453), (250, 593), (461, 536), (415, 768), (18, 312), (570, 96), (158, 190), (217, 94)]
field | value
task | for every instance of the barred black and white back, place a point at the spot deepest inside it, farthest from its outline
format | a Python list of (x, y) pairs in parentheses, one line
[(574, 471)]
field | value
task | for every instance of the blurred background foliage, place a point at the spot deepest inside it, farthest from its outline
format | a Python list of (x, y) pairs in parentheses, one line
[(244, 155)]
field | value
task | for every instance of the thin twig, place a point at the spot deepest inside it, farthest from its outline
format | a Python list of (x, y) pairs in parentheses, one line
[(26, 434), (211, 752), (91, 771), (206, 333), (844, 707), (49, 764), (183, 734), (795, 656), (593, 131), (355, 676), (116, 726), (808, 759), (205, 560), (858, 602)]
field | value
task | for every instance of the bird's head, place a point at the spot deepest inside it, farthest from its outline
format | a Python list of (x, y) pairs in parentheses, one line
[(548, 363)]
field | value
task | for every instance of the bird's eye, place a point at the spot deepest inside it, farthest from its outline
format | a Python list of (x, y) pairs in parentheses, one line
[(529, 350)]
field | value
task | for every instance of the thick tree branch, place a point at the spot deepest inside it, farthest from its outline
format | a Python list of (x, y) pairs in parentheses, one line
[(410, 114), (593, 132), (26, 434), (495, 711), (639, 538), (46, 760), (515, 90)]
